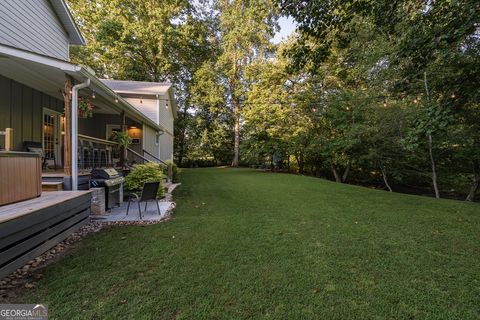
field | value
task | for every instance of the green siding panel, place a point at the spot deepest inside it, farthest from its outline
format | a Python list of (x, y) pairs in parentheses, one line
[(37, 116), (17, 115), (27, 96), (21, 108), (5, 88)]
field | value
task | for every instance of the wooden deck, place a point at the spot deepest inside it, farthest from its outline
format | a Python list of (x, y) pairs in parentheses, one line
[(31, 227)]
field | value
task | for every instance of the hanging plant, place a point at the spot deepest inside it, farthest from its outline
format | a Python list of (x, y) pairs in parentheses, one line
[(85, 107)]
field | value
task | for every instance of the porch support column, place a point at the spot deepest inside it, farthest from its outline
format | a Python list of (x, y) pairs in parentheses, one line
[(123, 150), (74, 152), (67, 128)]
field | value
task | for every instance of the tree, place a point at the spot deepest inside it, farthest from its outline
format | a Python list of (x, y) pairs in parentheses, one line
[(245, 28)]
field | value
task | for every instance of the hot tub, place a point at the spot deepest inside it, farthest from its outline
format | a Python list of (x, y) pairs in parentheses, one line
[(20, 176)]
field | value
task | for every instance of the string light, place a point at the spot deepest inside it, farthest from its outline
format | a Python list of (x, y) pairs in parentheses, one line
[(116, 99), (93, 94), (415, 100), (453, 96), (384, 103)]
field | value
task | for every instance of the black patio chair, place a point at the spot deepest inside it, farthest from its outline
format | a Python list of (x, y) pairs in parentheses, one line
[(149, 192)]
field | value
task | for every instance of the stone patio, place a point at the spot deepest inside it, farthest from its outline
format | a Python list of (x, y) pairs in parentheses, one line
[(151, 214), (120, 213)]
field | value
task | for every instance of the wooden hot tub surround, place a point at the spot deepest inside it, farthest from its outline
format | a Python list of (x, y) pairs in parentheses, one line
[(20, 176)]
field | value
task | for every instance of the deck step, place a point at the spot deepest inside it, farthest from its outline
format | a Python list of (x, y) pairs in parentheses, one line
[(52, 186)]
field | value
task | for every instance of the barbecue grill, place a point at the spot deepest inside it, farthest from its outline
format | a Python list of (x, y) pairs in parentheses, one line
[(112, 181)]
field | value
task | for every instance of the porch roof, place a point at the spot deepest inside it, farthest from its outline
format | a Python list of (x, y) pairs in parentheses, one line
[(144, 89), (48, 75)]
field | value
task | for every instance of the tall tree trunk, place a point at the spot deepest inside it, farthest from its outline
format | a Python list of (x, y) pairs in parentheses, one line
[(430, 146), (384, 176), (475, 182), (336, 175), (345, 173), (434, 169), (181, 150), (236, 132), (300, 162)]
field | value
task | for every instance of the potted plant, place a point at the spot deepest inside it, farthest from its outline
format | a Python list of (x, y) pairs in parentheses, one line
[(123, 140), (85, 108)]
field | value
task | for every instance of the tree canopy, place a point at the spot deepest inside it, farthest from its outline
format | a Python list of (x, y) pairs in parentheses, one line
[(381, 93)]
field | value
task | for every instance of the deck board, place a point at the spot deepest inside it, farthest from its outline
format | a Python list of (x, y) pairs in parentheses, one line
[(47, 199)]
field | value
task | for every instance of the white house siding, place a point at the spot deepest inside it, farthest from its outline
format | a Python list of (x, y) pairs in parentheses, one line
[(149, 142), (33, 26), (166, 146), (166, 116), (148, 107)]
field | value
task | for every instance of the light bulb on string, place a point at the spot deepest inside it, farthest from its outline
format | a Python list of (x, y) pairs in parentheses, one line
[(385, 103), (453, 96), (116, 99), (93, 94)]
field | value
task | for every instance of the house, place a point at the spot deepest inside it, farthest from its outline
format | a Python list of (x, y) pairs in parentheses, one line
[(35, 73), (45, 136), (157, 101)]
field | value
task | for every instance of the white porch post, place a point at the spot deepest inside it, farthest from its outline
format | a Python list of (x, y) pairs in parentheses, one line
[(74, 143)]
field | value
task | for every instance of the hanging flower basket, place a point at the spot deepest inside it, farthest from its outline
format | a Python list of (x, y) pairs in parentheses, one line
[(85, 108)]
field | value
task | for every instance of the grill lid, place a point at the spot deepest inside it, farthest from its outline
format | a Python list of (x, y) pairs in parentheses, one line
[(105, 173)]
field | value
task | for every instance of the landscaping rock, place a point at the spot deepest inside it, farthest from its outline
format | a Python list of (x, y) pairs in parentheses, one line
[(26, 276)]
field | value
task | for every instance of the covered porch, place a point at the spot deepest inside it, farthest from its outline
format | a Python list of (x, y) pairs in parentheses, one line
[(41, 106)]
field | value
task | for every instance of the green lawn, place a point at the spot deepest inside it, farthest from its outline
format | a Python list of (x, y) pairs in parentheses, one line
[(246, 244)]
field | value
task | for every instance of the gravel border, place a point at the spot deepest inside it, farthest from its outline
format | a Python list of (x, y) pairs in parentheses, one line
[(26, 276)]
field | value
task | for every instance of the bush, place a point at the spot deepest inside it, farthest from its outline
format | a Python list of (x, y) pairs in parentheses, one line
[(175, 171), (142, 173)]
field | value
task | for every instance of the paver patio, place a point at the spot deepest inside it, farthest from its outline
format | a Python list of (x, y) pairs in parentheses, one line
[(151, 214)]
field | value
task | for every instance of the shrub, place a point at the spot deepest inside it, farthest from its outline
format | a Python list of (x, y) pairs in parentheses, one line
[(175, 171), (142, 173)]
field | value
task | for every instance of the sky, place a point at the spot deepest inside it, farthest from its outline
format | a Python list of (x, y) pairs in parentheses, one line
[(287, 26)]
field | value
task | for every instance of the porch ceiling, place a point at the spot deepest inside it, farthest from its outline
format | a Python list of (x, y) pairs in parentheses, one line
[(40, 77), (48, 80)]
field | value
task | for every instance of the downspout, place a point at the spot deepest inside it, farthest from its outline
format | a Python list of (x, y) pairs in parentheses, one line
[(74, 136)]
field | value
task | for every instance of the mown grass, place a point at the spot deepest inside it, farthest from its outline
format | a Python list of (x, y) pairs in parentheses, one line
[(246, 244)]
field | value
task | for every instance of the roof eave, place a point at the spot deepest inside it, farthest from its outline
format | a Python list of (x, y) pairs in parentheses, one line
[(66, 18), (129, 109)]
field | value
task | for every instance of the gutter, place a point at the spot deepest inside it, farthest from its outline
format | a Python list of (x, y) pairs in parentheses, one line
[(74, 136)]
